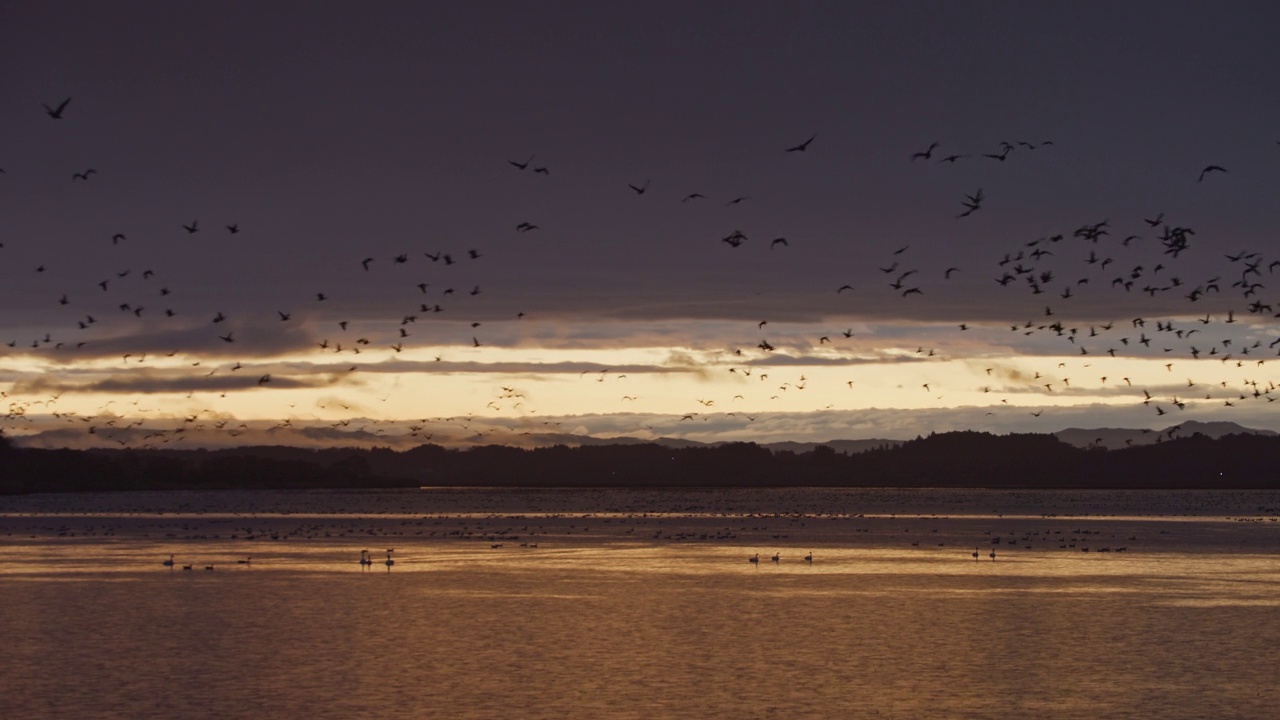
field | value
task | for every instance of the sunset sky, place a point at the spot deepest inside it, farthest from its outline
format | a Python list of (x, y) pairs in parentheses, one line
[(1104, 278)]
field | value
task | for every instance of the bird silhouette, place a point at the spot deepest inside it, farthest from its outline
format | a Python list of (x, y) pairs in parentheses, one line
[(927, 153), (972, 203), (802, 146), (56, 112), (1208, 169)]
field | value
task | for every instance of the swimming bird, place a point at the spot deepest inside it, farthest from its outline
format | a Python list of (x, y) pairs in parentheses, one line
[(754, 559), (168, 563)]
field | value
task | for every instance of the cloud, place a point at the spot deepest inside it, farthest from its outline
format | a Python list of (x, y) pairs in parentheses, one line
[(154, 381)]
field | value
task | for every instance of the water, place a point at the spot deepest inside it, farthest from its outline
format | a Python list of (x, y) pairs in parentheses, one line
[(622, 604)]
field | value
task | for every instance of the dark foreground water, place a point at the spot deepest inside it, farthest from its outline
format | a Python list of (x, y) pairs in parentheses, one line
[(621, 604)]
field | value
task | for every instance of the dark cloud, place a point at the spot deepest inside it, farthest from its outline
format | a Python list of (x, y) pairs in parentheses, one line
[(148, 382)]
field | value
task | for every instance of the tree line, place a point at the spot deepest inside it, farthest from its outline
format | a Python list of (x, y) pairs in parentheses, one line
[(953, 459)]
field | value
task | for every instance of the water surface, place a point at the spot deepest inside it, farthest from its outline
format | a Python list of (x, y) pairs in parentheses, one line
[(641, 604)]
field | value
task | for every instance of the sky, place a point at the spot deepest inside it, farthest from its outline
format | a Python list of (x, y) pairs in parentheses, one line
[(494, 221)]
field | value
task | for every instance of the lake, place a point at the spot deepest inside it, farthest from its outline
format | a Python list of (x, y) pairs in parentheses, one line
[(641, 604)]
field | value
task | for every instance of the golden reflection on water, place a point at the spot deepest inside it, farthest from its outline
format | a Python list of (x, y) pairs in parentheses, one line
[(579, 615)]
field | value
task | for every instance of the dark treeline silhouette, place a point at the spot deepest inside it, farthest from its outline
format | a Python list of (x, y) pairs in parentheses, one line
[(957, 459)]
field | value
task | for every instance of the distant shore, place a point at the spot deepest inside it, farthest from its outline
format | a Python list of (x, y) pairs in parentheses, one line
[(944, 460)]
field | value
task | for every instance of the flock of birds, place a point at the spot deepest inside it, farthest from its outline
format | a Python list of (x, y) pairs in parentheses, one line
[(1098, 259)]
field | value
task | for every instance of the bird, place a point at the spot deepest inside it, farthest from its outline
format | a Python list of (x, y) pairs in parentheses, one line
[(802, 146), (971, 203), (1208, 169), (927, 153), (83, 175), (192, 228), (639, 190), (56, 112), (233, 228), (523, 165), (168, 563), (754, 559)]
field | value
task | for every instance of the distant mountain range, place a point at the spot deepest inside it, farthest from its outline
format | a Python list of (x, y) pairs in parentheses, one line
[(1109, 438)]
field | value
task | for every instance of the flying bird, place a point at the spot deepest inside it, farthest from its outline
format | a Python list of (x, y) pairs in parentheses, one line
[(56, 112), (971, 203), (1208, 169), (926, 154), (802, 146)]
